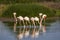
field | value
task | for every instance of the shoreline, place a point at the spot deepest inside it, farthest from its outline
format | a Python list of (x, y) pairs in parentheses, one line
[(12, 19)]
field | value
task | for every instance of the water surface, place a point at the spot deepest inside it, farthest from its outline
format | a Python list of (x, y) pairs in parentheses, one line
[(52, 32)]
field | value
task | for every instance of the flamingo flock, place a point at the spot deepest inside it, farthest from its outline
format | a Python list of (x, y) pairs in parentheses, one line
[(27, 21)]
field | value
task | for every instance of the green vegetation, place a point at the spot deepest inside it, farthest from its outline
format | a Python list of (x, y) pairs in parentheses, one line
[(25, 1), (29, 7), (58, 13), (28, 10)]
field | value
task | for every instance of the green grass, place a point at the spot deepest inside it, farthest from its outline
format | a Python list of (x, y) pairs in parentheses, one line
[(28, 10)]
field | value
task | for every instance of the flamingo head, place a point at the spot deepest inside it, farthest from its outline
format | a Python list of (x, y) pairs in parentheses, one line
[(14, 13), (40, 14), (44, 16)]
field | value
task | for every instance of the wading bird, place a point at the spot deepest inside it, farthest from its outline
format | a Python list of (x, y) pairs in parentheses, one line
[(14, 14), (21, 19), (27, 21), (15, 22), (33, 20), (36, 19), (43, 18), (44, 28), (40, 15), (34, 32)]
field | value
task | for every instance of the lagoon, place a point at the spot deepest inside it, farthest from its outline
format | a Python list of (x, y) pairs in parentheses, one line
[(52, 32)]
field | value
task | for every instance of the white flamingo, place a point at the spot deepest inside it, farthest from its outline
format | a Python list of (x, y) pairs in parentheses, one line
[(15, 23), (43, 18), (20, 36), (40, 15), (21, 19), (34, 33), (44, 28), (27, 20), (14, 14), (36, 19), (32, 20)]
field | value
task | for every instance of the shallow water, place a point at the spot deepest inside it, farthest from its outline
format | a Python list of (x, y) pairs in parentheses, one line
[(52, 33)]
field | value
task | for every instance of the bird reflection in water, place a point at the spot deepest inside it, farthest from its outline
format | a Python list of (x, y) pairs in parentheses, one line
[(27, 22), (35, 33), (26, 28), (20, 34), (15, 23)]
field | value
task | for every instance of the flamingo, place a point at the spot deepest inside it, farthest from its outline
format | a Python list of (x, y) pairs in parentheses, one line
[(44, 28), (40, 15), (36, 19), (43, 18), (27, 20), (32, 19), (35, 33), (20, 36), (14, 14), (15, 23), (21, 19)]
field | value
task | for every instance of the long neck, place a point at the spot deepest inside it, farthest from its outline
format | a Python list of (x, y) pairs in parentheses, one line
[(41, 23), (15, 18)]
